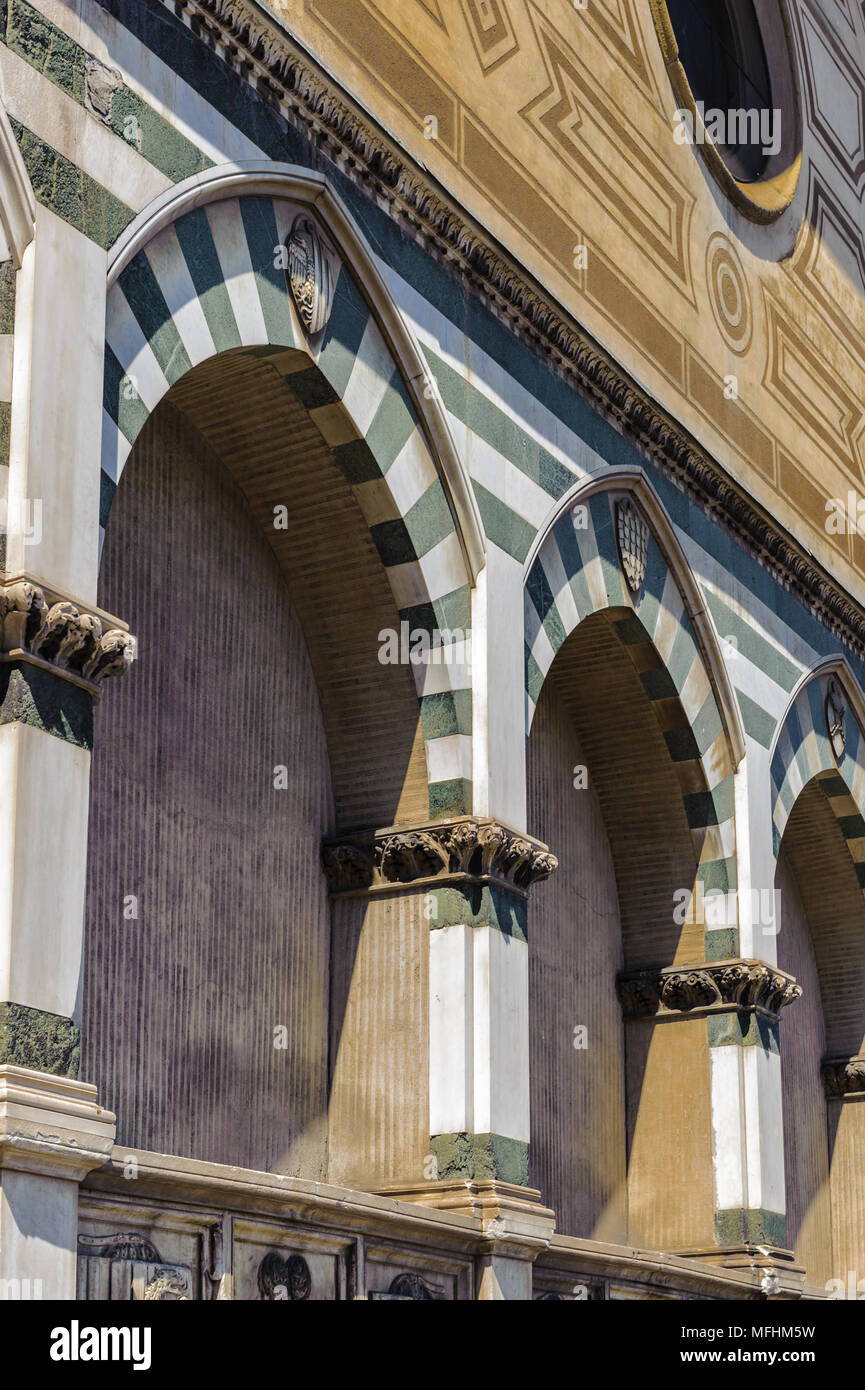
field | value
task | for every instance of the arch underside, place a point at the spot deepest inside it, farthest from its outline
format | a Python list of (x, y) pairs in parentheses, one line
[(577, 573), (822, 941), (264, 436), (803, 754), (625, 850)]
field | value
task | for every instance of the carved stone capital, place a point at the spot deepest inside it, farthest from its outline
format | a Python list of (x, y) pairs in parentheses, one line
[(843, 1076), (47, 629), (468, 848), (723, 986), (346, 867)]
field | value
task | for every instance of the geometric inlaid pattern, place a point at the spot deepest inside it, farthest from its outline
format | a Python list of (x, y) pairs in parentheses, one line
[(835, 95), (817, 396), (491, 31), (578, 120)]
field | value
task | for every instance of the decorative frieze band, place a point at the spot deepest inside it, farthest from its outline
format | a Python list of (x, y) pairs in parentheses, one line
[(288, 78), (843, 1076), (49, 630), (722, 986), (469, 848)]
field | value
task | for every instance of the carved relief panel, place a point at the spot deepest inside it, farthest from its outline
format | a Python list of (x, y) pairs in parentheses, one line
[(279, 1265)]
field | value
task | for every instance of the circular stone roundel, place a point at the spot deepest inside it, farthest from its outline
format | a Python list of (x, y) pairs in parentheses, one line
[(729, 295)]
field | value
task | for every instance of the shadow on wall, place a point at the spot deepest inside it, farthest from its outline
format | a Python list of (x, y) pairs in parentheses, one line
[(822, 942), (621, 1125), (257, 721)]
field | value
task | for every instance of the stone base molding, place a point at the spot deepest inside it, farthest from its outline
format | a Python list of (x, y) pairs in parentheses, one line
[(773, 1269), (516, 1229), (508, 1214), (469, 849), (589, 1270), (456, 1241), (844, 1078), (45, 628), (52, 1125), (723, 986), (482, 1199)]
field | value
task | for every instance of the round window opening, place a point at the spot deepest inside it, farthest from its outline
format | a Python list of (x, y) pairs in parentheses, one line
[(730, 68)]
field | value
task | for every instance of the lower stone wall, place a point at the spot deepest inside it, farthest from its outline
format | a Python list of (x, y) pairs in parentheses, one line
[(159, 1228)]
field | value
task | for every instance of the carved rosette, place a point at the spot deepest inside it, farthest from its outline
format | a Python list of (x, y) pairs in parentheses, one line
[(717, 987), (73, 642), (480, 850), (843, 1077)]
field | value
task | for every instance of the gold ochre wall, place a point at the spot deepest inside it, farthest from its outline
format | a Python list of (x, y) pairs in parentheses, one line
[(555, 129)]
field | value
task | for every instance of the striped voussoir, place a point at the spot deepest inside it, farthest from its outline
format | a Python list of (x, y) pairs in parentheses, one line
[(803, 752), (212, 282), (577, 573)]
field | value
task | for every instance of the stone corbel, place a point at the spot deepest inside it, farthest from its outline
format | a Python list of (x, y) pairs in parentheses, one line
[(844, 1078), (466, 849), (724, 986), (44, 628)]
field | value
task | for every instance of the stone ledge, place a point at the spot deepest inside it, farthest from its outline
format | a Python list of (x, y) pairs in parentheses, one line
[(52, 1125), (451, 1218), (512, 1218), (702, 1274)]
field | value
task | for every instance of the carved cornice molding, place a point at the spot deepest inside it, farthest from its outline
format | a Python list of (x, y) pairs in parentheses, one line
[(465, 849), (46, 629), (843, 1077), (724, 986), (289, 80)]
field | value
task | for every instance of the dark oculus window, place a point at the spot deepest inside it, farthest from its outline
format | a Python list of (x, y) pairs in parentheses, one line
[(722, 53)]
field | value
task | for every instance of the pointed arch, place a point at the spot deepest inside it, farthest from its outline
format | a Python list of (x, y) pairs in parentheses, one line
[(265, 179), (199, 274), (817, 801), (802, 752), (574, 571)]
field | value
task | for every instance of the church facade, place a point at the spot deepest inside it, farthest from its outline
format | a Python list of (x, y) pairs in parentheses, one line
[(432, 679)]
